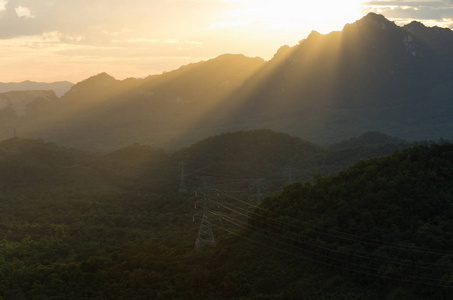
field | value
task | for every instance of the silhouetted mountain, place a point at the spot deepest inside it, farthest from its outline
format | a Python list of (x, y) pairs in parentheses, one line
[(93, 89), (438, 38), (371, 76), (60, 87), (160, 110)]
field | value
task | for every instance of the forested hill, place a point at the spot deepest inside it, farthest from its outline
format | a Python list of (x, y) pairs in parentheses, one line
[(77, 226), (33, 167), (246, 155), (240, 158), (381, 229), (257, 153)]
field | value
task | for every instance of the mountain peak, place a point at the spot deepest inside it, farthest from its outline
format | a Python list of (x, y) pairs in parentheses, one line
[(374, 17), (415, 24), (313, 34), (232, 58), (99, 84), (101, 78), (375, 20)]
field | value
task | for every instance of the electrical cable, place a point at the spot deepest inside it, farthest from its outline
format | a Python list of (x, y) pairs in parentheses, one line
[(335, 233), (332, 265), (373, 256)]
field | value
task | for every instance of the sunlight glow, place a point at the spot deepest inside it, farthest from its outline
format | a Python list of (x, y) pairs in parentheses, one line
[(148, 32), (326, 15), (3, 5)]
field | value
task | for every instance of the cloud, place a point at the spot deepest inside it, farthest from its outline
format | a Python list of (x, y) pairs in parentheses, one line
[(79, 38), (22, 11), (88, 21), (437, 12)]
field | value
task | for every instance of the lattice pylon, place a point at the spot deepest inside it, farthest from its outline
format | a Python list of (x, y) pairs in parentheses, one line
[(205, 235)]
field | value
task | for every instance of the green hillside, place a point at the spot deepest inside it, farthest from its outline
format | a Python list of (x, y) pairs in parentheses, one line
[(379, 230), (236, 159), (78, 226)]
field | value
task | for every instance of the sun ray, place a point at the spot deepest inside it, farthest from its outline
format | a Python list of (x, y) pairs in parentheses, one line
[(325, 15)]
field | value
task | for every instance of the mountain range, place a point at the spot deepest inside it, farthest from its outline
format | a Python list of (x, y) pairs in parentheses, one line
[(371, 76), (59, 87)]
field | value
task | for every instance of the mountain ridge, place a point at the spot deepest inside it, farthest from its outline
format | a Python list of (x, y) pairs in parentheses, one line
[(371, 76), (59, 87)]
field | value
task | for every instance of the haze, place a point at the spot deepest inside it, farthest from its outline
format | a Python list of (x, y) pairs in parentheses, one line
[(47, 40)]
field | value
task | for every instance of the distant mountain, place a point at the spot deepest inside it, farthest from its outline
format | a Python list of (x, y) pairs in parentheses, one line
[(371, 76), (60, 87), (18, 100), (160, 110)]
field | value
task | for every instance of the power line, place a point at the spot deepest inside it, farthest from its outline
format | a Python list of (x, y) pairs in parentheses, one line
[(405, 279), (205, 235), (400, 261), (355, 251), (364, 255), (335, 233)]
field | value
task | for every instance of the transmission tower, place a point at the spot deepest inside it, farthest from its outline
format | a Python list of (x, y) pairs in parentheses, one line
[(182, 181), (205, 235), (258, 186)]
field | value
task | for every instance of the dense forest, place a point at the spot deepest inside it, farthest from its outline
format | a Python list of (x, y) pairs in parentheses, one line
[(80, 226)]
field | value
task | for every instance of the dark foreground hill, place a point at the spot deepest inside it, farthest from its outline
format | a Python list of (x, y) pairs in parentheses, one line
[(76, 226), (379, 230)]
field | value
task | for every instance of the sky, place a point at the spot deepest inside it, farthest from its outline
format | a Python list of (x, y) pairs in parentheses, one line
[(55, 40)]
